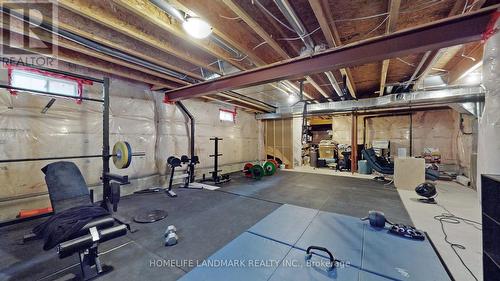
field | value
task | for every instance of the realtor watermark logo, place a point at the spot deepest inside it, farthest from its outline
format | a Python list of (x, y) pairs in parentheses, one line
[(29, 29)]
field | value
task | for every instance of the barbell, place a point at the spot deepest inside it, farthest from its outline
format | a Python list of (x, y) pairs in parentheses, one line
[(121, 156)]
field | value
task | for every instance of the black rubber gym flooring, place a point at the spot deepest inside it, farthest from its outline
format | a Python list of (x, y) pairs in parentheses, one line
[(343, 195), (206, 221)]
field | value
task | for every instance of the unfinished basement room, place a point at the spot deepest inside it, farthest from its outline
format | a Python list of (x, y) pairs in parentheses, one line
[(213, 140)]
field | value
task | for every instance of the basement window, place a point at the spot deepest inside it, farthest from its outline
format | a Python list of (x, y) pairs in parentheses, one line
[(227, 115), (39, 82)]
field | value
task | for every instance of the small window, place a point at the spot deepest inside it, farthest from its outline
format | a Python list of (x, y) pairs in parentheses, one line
[(226, 115), (40, 82)]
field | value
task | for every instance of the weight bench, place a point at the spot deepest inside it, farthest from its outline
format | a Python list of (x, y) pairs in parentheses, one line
[(68, 189)]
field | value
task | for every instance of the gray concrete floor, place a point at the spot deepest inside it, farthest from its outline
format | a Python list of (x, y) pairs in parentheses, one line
[(462, 202), (459, 200)]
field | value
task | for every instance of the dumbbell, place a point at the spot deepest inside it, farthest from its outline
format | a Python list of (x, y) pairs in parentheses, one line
[(171, 237)]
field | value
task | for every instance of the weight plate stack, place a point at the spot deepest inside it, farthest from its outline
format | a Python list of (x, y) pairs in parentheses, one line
[(269, 168), (247, 171), (257, 171), (275, 163)]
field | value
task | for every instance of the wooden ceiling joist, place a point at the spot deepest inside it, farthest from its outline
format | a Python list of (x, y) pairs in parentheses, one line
[(472, 59), (210, 98), (108, 19), (149, 12), (16, 26), (458, 30), (259, 30), (332, 36), (435, 56), (129, 51), (391, 24)]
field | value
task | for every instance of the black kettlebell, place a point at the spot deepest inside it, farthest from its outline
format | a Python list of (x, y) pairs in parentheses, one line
[(376, 218)]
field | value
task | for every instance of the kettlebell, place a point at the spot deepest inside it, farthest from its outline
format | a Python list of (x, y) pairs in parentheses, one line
[(376, 218)]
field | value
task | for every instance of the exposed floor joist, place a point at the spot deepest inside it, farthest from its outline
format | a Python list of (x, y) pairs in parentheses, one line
[(391, 23), (109, 20), (453, 31), (332, 36), (472, 59), (235, 8), (435, 56), (149, 12)]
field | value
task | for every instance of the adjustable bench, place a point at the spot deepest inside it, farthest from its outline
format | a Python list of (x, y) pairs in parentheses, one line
[(68, 189)]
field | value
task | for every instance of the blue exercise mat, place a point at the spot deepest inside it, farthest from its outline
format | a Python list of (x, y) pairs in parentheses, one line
[(400, 258), (296, 267), (340, 234), (286, 224), (248, 257), (279, 242)]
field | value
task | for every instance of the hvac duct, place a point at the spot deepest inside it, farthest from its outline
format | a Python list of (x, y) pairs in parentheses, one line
[(421, 98)]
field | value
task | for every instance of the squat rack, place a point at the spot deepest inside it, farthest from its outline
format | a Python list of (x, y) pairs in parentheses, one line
[(105, 156)]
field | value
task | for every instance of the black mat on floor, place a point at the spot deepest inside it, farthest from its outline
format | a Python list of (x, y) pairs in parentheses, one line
[(344, 195), (206, 221)]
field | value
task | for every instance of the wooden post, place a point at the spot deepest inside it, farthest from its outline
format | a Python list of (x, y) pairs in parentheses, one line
[(354, 143)]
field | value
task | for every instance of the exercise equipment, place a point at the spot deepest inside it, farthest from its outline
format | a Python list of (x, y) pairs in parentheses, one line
[(376, 218), (257, 171), (427, 190), (216, 178), (322, 249), (121, 155), (150, 216), (191, 163), (359, 252), (173, 162), (407, 231), (276, 164), (269, 168), (246, 170), (171, 237)]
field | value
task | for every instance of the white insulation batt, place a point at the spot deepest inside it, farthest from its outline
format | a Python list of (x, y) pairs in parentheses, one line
[(438, 129), (138, 116), (489, 125)]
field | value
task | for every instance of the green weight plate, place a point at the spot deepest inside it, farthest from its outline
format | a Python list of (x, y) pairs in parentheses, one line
[(269, 168), (257, 171)]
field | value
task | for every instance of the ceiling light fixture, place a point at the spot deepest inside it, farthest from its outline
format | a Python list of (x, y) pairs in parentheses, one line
[(197, 27)]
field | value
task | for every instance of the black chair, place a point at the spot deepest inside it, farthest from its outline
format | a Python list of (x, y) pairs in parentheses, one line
[(67, 189), (382, 166)]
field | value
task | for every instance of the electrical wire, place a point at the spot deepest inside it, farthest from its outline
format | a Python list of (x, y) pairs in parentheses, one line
[(300, 37), (450, 218), (378, 26), (362, 18), (405, 62), (230, 18), (254, 48), (273, 16), (423, 7)]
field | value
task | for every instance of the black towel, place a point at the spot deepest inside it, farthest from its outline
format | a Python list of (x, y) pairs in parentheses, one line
[(66, 224)]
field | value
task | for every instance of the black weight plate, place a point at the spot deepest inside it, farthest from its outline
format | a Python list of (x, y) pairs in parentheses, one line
[(150, 216)]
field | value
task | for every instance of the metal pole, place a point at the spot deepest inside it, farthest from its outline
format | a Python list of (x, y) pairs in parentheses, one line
[(411, 134), (105, 142), (216, 160)]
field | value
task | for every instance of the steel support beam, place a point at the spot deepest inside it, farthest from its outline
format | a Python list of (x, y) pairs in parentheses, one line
[(440, 34)]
